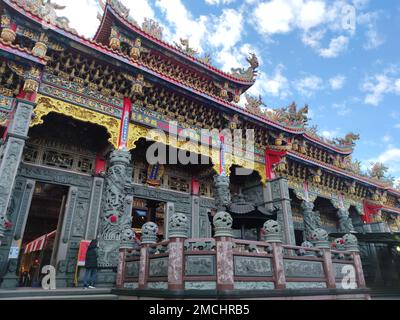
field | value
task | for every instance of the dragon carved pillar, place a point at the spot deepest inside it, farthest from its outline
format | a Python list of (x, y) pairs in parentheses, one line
[(116, 219)]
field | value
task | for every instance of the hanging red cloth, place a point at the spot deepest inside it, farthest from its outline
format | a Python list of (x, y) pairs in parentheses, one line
[(272, 157), (370, 210)]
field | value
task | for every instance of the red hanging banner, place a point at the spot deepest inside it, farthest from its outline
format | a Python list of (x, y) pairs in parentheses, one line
[(370, 210), (272, 157)]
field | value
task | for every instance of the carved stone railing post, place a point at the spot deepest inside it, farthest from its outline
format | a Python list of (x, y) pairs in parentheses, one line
[(149, 237), (223, 236), (178, 232), (320, 240), (12, 154), (273, 235), (351, 244), (121, 268)]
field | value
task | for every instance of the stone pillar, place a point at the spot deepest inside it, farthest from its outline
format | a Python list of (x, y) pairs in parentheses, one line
[(319, 238), (13, 148), (178, 232), (273, 235), (278, 193), (345, 223), (149, 237), (223, 236), (115, 221), (195, 217), (351, 244), (312, 219), (222, 192)]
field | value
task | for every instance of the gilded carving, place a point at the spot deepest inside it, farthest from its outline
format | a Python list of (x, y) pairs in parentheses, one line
[(46, 105)]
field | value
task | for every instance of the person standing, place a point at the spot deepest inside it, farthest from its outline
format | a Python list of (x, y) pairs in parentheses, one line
[(91, 266)]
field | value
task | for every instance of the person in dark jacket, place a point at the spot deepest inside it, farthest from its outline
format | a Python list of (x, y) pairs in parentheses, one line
[(91, 266)]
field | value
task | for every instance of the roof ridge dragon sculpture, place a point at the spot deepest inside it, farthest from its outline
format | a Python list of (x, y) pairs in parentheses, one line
[(251, 73), (46, 10)]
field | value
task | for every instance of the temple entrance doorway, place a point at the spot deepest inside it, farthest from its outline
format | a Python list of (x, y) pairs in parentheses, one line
[(42, 232), (144, 211), (247, 207)]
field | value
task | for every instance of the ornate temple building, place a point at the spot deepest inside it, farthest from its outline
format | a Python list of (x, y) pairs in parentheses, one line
[(77, 119)]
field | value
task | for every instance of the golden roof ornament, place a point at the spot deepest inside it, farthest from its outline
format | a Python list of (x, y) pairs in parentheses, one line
[(254, 104), (251, 73), (47, 11), (349, 140), (152, 28), (137, 49), (138, 83), (185, 47), (290, 116)]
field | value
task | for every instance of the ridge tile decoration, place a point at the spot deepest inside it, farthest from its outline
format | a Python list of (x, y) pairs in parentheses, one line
[(154, 30), (134, 48), (46, 11)]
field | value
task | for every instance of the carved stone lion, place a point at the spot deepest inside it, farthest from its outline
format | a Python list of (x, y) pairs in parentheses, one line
[(178, 225), (223, 220), (149, 232), (319, 235)]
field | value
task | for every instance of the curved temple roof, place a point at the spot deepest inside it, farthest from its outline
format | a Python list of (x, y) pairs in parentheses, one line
[(32, 9)]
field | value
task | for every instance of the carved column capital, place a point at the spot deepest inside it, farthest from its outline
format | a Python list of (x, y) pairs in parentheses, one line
[(307, 206)]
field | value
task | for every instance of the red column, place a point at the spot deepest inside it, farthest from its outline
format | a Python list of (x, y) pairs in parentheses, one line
[(125, 120), (176, 264), (225, 273)]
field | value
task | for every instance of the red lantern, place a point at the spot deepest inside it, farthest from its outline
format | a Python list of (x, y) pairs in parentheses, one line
[(113, 219)]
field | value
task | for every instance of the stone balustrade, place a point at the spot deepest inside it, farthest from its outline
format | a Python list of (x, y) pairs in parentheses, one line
[(225, 264)]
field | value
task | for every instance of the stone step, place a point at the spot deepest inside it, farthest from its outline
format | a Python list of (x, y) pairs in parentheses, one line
[(39, 294), (61, 297)]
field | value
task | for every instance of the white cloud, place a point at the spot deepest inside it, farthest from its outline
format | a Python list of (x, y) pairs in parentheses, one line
[(307, 86), (313, 19), (276, 85), (337, 82), (275, 16), (341, 109), (139, 9), (373, 38), (378, 86), (386, 138), (312, 14), (228, 29), (218, 2), (391, 158), (183, 23), (330, 134), (78, 11), (336, 46)]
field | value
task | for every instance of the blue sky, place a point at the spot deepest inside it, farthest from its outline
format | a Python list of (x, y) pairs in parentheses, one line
[(342, 57)]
